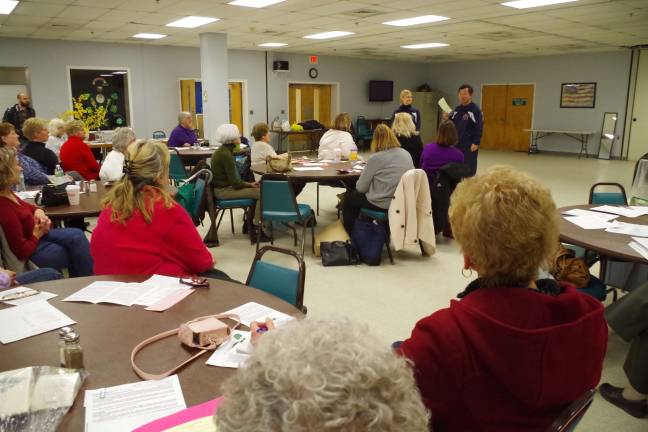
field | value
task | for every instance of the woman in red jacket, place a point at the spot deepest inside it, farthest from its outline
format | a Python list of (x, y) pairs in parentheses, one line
[(141, 229), (512, 353), (76, 155)]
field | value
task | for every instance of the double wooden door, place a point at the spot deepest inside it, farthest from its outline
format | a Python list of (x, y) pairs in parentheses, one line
[(508, 110), (309, 102)]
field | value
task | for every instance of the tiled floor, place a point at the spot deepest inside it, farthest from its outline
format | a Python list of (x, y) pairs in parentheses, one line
[(391, 298)]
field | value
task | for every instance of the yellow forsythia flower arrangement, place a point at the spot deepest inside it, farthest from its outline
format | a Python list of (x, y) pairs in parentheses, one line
[(92, 116)]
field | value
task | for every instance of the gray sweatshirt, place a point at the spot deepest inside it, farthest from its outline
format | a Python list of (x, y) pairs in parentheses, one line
[(382, 174)]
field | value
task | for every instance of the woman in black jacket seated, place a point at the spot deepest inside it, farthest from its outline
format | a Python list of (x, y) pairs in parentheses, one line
[(409, 139)]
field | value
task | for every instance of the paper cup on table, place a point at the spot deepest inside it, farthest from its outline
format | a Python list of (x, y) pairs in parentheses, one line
[(73, 193)]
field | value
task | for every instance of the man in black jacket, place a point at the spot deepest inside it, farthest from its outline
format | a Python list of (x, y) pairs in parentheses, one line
[(19, 113), (469, 122)]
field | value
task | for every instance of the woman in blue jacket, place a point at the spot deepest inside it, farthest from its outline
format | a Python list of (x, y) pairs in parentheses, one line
[(406, 99)]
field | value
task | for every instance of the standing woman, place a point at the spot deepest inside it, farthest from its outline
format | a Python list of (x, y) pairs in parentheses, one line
[(409, 139), (406, 99), (28, 229), (75, 153), (112, 168)]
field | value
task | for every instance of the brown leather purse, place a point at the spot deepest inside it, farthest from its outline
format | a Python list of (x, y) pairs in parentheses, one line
[(567, 268), (281, 163)]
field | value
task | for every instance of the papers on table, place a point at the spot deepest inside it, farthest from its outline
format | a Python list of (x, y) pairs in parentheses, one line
[(129, 406), (588, 222), (31, 319), (233, 354), (256, 312), (630, 212), (628, 229), (444, 105), (588, 213), (198, 418), (27, 194), (21, 301), (308, 168), (640, 245)]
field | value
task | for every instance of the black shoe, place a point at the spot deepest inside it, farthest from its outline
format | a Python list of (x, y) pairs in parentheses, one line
[(263, 238), (614, 395)]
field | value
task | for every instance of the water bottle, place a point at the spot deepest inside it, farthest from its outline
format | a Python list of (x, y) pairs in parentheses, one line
[(58, 171), (21, 183), (337, 155)]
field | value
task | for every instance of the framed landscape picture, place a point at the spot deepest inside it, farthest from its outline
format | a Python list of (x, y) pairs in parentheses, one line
[(577, 95)]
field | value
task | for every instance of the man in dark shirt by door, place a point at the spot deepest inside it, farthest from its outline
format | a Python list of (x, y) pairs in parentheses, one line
[(19, 113), (469, 121)]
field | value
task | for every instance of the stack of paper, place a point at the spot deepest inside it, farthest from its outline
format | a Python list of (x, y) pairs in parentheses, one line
[(31, 319), (630, 212), (628, 229), (640, 245), (588, 213), (588, 222), (257, 312), (128, 406)]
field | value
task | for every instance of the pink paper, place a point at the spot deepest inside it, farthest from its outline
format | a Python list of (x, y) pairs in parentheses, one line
[(181, 417), (169, 300)]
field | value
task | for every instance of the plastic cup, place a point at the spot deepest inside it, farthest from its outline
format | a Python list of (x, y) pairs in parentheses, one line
[(353, 156), (74, 194)]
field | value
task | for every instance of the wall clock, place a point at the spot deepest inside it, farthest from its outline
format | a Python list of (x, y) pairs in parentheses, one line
[(312, 72)]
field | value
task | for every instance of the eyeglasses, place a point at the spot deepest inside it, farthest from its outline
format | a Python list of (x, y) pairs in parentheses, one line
[(195, 282), (15, 295)]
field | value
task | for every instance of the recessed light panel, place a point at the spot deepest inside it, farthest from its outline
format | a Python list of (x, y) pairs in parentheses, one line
[(6, 6), (425, 45), (273, 45), (255, 3), (328, 35), (192, 22), (425, 19), (525, 4), (149, 36)]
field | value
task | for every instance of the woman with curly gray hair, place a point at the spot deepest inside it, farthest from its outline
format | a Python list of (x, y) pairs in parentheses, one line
[(113, 166), (322, 376)]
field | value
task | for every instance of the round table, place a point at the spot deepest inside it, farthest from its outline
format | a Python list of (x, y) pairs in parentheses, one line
[(328, 172), (192, 155), (109, 333), (608, 244)]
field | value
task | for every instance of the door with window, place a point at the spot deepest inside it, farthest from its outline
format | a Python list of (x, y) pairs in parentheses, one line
[(639, 121), (310, 102), (191, 101), (508, 110)]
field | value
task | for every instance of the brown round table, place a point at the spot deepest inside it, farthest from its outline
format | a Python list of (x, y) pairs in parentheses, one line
[(109, 333), (329, 172), (89, 205), (605, 243), (192, 155)]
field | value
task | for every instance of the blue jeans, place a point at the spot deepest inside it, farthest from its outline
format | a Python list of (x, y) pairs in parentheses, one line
[(64, 247), (38, 275)]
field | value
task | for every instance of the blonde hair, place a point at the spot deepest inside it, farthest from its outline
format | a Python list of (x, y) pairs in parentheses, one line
[(383, 139), (73, 126), (32, 126), (342, 122), (7, 167), (404, 93), (259, 131), (322, 376), (506, 223), (146, 171), (54, 124), (403, 125)]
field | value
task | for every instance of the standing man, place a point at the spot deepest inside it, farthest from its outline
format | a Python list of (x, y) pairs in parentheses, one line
[(469, 121), (19, 113)]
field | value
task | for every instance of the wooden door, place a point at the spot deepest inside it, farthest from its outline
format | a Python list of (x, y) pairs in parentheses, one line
[(639, 121), (494, 111), (310, 102), (508, 110), (236, 104)]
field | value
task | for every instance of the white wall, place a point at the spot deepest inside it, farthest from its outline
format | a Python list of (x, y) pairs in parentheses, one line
[(608, 69)]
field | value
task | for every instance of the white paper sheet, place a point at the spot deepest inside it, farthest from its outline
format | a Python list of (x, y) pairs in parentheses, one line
[(599, 215), (640, 249), (444, 105), (308, 168), (163, 286), (128, 406), (257, 312), (628, 229), (120, 293), (20, 322), (623, 211), (228, 355), (27, 194), (43, 295), (588, 222)]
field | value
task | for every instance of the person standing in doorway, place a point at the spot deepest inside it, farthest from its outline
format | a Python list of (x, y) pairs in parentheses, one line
[(406, 99), (469, 121), (19, 113)]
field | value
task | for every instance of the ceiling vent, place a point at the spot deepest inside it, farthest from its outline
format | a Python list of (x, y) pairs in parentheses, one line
[(364, 13)]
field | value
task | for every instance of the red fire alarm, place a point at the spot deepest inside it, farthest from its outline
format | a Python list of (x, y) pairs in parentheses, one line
[(313, 59)]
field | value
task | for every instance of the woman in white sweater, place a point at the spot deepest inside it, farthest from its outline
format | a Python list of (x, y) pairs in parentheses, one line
[(112, 168), (261, 148), (337, 138)]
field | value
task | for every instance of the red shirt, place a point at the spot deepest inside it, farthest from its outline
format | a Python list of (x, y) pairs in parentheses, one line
[(17, 221), (77, 156), (169, 245), (507, 359)]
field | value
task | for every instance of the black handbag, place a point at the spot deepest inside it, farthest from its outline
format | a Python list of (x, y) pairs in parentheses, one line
[(53, 195), (337, 253)]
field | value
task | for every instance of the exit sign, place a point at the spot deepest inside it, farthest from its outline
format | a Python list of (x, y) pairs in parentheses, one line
[(313, 59)]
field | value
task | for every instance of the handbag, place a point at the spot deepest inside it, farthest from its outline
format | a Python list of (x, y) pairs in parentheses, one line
[(567, 268), (206, 333), (53, 195), (337, 253), (368, 238), (186, 196), (280, 163)]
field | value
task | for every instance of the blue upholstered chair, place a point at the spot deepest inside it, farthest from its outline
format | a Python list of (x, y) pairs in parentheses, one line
[(159, 134)]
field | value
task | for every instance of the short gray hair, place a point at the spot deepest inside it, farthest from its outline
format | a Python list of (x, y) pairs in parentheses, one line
[(54, 124), (227, 133), (183, 115), (322, 375), (122, 137)]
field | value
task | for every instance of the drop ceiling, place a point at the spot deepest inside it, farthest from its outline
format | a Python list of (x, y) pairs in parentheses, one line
[(477, 28)]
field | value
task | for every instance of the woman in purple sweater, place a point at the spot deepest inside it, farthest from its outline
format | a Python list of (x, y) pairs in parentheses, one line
[(442, 152), (183, 135)]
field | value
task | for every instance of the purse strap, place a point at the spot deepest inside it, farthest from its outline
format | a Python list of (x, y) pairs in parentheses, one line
[(160, 336)]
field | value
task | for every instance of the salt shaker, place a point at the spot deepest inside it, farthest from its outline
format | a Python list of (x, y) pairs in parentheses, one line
[(61, 343), (72, 351), (93, 186)]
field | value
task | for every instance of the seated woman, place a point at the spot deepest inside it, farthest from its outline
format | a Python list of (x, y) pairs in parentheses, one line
[(57, 135), (510, 354), (442, 151), (28, 229), (33, 172), (409, 139), (75, 153), (141, 229), (183, 134), (321, 376), (261, 148), (337, 138), (378, 182), (112, 168), (226, 180), (35, 130)]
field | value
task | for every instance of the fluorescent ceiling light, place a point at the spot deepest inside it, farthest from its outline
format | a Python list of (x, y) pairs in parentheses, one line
[(416, 20), (255, 3), (119, 73), (425, 45), (328, 35), (6, 6), (192, 22), (149, 36), (525, 4), (273, 44)]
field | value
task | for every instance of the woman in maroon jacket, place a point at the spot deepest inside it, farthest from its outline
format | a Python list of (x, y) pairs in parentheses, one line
[(512, 353)]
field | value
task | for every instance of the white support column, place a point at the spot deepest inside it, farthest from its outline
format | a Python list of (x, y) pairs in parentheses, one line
[(214, 73)]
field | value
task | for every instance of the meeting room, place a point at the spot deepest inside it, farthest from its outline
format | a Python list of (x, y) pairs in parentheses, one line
[(342, 215)]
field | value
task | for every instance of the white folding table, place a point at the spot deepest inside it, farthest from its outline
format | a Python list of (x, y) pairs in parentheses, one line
[(581, 136)]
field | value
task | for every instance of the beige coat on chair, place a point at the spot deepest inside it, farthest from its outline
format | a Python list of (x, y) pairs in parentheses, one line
[(410, 213)]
